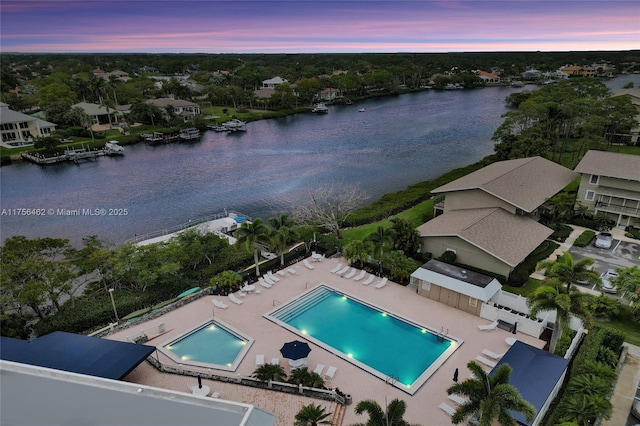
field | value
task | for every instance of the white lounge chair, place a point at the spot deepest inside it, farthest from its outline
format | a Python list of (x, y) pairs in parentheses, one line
[(447, 408), (360, 275), (258, 290), (319, 369), (268, 280), (307, 264), (275, 361), (491, 354), (234, 299), (343, 270), (382, 282), (488, 327), (292, 271), (259, 360), (331, 371), (486, 361), (263, 283), (458, 399), (369, 280), (351, 273), (242, 293), (219, 304), (273, 277), (216, 394), (336, 268), (281, 273)]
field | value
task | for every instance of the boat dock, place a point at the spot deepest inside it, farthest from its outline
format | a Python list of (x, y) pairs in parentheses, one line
[(71, 154), (221, 224), (157, 138)]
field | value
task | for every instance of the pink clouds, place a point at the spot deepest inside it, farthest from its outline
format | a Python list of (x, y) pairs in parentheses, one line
[(311, 26)]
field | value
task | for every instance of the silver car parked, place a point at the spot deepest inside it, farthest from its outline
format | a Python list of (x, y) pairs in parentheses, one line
[(604, 240)]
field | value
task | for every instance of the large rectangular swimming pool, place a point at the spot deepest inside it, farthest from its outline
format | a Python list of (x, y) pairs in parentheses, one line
[(391, 347)]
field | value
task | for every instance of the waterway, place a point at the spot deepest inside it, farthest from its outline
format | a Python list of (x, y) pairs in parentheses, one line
[(396, 142)]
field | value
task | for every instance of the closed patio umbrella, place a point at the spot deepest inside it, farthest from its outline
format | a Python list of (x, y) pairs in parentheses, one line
[(295, 350)]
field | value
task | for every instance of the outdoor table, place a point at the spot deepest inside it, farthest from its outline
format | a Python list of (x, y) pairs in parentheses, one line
[(203, 391), (510, 340)]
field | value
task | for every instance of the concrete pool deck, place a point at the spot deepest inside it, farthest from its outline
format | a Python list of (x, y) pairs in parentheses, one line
[(269, 337)]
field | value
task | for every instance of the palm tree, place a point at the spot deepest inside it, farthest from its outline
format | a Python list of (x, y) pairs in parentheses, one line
[(393, 416), (312, 415), (357, 251), (553, 296), (570, 271), (304, 377), (405, 236), (583, 409), (490, 397), (381, 239), (281, 221), (252, 234), (267, 372)]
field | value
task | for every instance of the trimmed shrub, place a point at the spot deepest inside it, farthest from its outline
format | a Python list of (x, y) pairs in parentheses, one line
[(584, 239), (561, 232), (448, 257)]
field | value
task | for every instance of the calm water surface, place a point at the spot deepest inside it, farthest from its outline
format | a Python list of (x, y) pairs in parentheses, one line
[(396, 142)]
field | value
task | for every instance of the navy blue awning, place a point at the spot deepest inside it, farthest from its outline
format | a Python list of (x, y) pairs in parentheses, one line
[(77, 353)]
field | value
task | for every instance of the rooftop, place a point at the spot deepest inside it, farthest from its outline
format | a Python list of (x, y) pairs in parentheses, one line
[(610, 164), (525, 183)]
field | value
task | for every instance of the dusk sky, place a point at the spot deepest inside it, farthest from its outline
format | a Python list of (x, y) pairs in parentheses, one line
[(303, 26)]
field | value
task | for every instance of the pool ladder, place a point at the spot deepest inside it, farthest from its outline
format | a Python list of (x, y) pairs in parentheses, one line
[(442, 334)]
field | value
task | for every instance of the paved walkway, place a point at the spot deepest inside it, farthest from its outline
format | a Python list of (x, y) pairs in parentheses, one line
[(625, 390)]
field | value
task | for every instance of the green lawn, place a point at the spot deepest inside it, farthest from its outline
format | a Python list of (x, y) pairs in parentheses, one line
[(413, 215), (526, 290), (627, 326)]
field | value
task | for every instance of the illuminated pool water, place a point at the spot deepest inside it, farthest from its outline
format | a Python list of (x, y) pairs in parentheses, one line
[(384, 344), (212, 344)]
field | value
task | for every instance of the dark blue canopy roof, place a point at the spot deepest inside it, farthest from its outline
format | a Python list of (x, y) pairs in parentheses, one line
[(77, 354), (534, 373)]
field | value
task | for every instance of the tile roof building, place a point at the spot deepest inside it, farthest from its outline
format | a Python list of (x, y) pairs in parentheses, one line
[(489, 217)]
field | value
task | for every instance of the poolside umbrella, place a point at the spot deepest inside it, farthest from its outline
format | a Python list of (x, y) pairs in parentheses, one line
[(199, 381), (295, 350), (515, 327), (455, 376)]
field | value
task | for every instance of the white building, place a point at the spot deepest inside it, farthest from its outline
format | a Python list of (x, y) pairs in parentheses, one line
[(20, 129)]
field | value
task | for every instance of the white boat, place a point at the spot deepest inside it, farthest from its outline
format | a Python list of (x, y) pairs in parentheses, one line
[(235, 125), (320, 109), (362, 110), (190, 134), (517, 83), (155, 137), (113, 148), (453, 86)]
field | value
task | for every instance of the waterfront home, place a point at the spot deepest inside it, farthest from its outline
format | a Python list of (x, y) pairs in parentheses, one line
[(489, 218), (273, 82), (182, 108), (20, 129), (488, 77), (100, 114), (610, 184)]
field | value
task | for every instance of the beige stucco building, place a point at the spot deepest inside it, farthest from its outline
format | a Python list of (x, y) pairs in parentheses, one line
[(454, 286), (489, 217), (18, 129), (610, 184)]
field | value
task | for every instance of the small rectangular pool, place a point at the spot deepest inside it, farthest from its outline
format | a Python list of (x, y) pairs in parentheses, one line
[(212, 344), (395, 349)]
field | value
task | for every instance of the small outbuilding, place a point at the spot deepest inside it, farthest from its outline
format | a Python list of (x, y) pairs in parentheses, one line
[(538, 375), (455, 286)]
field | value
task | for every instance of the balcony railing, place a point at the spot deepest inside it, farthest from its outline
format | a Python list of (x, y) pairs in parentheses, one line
[(614, 208)]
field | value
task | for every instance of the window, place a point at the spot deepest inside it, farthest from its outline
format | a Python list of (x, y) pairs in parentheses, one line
[(24, 125), (594, 179), (590, 195), (473, 301), (426, 286)]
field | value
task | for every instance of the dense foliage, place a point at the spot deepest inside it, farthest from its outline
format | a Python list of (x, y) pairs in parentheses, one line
[(573, 115), (590, 380)]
